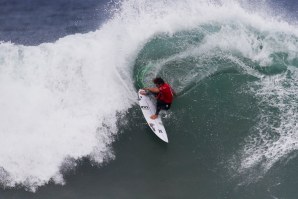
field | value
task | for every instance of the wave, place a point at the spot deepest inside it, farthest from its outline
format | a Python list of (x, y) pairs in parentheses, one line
[(265, 50), (61, 101)]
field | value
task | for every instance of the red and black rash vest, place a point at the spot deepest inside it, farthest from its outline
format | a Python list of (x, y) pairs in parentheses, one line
[(165, 94)]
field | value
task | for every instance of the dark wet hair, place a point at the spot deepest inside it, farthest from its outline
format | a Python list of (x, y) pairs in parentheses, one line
[(158, 80)]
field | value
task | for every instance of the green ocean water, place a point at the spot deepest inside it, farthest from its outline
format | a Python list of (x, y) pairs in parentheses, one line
[(234, 118)]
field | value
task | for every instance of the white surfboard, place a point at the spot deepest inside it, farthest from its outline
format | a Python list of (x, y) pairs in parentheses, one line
[(148, 107)]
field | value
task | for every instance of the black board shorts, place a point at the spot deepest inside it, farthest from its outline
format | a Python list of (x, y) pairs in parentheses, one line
[(160, 105)]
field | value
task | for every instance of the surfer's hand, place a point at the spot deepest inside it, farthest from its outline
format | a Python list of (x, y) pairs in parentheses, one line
[(143, 92)]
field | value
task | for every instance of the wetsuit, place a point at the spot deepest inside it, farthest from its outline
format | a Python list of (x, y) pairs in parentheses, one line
[(164, 98)]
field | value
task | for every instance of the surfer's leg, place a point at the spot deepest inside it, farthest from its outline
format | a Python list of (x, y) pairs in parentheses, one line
[(167, 107), (158, 108), (161, 105)]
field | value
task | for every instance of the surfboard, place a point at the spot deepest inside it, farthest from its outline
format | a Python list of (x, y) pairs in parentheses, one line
[(148, 106)]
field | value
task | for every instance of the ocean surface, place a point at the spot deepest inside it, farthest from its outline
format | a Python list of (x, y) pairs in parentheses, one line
[(70, 126)]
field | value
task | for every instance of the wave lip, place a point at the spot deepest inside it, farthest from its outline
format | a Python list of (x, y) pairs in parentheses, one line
[(59, 102)]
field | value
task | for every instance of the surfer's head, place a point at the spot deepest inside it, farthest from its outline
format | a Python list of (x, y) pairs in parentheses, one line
[(158, 81)]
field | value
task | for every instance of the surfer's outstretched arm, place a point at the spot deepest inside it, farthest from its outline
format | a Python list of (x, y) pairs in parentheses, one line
[(152, 90)]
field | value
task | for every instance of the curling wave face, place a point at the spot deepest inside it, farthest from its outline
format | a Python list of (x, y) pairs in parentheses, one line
[(265, 50)]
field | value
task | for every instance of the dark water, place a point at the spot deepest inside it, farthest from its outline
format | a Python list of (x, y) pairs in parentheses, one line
[(32, 22), (232, 128)]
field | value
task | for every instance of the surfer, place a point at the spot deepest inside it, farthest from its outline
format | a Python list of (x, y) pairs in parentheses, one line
[(164, 95)]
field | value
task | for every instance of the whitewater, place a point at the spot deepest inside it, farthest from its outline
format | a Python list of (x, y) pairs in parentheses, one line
[(61, 101)]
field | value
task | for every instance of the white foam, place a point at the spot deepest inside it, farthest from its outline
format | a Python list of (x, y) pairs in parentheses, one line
[(277, 132), (57, 101)]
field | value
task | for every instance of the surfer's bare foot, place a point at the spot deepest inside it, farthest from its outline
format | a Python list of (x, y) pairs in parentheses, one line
[(153, 117)]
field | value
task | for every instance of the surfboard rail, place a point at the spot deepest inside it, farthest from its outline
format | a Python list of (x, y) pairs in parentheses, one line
[(148, 107)]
